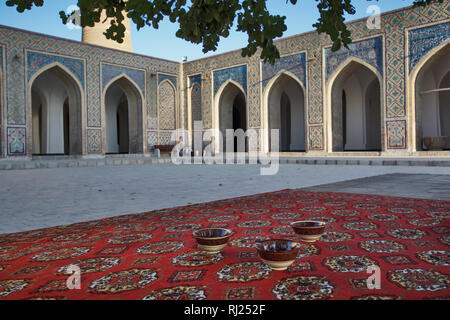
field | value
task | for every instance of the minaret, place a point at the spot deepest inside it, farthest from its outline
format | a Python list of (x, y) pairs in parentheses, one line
[(94, 35)]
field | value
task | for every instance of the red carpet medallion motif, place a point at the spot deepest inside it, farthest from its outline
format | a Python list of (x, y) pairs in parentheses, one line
[(153, 255)]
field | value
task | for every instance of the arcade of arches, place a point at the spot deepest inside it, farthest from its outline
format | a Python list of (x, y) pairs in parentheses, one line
[(356, 109)]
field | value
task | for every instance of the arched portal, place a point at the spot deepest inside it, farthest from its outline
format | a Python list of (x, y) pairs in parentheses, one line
[(286, 112), (432, 101), (356, 109), (123, 114), (56, 113), (232, 114)]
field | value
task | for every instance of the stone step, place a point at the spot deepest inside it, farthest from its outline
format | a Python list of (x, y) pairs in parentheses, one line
[(68, 163), (110, 160)]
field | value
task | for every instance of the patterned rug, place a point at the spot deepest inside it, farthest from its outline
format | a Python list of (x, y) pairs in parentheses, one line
[(153, 256)]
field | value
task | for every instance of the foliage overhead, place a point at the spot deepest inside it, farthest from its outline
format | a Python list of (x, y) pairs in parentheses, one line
[(206, 21)]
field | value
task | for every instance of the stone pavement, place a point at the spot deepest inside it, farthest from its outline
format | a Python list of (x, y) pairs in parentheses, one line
[(430, 186), (31, 199)]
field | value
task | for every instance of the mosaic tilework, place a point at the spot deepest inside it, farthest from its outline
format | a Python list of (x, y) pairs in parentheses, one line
[(195, 79), (295, 64), (110, 72), (152, 139), (17, 138), (162, 77), (94, 137), (238, 74), (316, 138), (165, 138), (195, 85), (167, 105), (369, 50), (196, 102), (423, 40), (393, 26), (15, 89), (152, 123), (38, 60), (396, 134)]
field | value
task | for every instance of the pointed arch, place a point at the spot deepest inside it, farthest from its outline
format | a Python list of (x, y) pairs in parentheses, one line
[(335, 132), (225, 84), (76, 107), (266, 104), (420, 92), (132, 117), (134, 85), (229, 90)]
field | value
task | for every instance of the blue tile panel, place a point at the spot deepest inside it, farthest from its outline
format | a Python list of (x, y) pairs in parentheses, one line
[(195, 79), (110, 72), (369, 50), (37, 60), (423, 40), (17, 138), (238, 74), (162, 77), (295, 64)]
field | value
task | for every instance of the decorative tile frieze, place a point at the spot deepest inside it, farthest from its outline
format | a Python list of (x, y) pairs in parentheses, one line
[(423, 40), (171, 78), (38, 60), (368, 50), (237, 74), (110, 72), (295, 64), (195, 79)]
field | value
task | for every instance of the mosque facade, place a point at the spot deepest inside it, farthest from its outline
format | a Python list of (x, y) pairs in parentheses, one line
[(387, 95)]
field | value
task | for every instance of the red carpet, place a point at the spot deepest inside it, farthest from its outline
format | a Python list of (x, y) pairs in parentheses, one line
[(153, 256)]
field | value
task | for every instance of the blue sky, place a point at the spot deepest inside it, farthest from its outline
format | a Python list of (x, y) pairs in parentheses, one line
[(163, 43)]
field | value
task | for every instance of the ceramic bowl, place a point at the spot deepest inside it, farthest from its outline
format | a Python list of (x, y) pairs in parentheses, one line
[(309, 231), (278, 254), (212, 240)]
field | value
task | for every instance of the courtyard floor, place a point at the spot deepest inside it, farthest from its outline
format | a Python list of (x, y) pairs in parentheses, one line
[(32, 199)]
